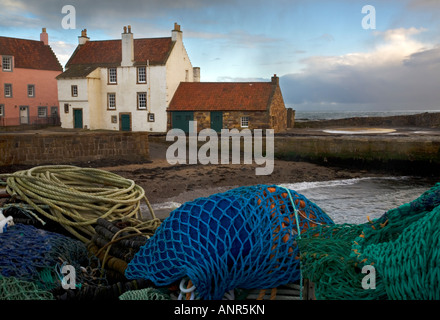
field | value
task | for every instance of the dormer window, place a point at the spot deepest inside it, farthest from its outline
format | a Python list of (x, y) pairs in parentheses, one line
[(112, 76), (6, 63)]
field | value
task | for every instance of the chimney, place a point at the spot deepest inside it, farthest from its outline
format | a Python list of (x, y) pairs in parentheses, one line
[(83, 39), (176, 34), (44, 37), (127, 48), (196, 74), (275, 80)]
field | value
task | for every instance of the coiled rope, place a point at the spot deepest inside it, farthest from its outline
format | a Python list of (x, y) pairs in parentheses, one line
[(77, 197)]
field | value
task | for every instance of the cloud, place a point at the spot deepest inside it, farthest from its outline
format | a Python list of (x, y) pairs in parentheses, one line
[(399, 72)]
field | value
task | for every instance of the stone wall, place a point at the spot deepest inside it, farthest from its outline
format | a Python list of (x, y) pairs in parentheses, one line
[(72, 147), (410, 153), (278, 111), (425, 120)]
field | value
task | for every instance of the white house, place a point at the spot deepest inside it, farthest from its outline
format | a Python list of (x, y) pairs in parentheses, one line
[(123, 84)]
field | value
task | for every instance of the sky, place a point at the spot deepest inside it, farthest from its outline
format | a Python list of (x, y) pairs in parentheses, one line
[(329, 55)]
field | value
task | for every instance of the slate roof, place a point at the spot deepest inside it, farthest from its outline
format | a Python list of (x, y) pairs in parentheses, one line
[(222, 96), (30, 54)]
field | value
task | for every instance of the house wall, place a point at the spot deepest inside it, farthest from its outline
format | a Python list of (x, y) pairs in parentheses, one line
[(231, 119), (46, 93), (278, 111), (126, 99), (79, 102)]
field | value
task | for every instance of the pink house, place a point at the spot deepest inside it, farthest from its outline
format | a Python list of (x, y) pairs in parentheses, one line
[(28, 85)]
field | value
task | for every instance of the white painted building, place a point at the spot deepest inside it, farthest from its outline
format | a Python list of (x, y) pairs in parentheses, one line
[(123, 84)]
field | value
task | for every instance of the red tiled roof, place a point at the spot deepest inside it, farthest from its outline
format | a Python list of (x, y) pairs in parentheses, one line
[(109, 52), (30, 54), (222, 96)]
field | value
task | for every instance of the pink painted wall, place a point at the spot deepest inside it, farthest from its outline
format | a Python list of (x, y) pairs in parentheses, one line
[(46, 93)]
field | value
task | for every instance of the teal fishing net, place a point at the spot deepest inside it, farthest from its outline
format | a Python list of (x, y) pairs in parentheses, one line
[(242, 238), (403, 247)]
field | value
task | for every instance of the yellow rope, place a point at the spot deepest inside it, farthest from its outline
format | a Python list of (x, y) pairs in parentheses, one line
[(77, 197)]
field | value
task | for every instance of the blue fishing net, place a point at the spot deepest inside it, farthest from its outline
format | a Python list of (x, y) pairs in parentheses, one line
[(31, 254), (242, 238)]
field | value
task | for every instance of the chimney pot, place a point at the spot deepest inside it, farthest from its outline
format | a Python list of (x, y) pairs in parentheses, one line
[(275, 79), (125, 29), (129, 29), (83, 39)]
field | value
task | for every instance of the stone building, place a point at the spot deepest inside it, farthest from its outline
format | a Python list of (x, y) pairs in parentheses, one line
[(124, 84), (228, 105)]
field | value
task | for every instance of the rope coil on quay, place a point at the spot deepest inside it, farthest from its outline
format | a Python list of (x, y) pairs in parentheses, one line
[(78, 197)]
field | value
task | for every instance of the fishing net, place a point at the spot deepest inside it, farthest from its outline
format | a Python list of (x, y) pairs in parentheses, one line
[(14, 289), (31, 254), (242, 238), (403, 246)]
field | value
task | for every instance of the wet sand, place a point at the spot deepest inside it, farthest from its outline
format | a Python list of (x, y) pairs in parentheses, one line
[(164, 182)]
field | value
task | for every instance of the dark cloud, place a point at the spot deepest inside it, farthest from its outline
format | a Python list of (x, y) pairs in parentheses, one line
[(414, 83)]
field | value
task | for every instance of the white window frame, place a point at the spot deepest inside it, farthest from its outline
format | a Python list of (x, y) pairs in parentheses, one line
[(74, 90), (2, 110), (142, 103), (244, 121), (7, 63), (9, 95), (112, 75), (111, 101), (151, 117), (31, 91), (42, 114), (143, 74)]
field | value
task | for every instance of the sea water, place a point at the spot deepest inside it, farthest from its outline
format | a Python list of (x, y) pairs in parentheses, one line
[(357, 200), (338, 114), (347, 200)]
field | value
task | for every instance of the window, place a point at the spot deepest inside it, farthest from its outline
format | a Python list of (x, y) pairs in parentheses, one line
[(244, 122), (6, 63), (112, 75), (42, 112), (142, 100), (151, 117), (114, 119), (2, 110), (74, 90), (31, 90), (66, 108), (111, 101), (54, 111), (142, 75), (8, 90)]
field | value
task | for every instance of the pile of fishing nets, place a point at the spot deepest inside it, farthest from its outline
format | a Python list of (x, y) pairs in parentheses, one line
[(243, 238), (35, 255), (403, 247)]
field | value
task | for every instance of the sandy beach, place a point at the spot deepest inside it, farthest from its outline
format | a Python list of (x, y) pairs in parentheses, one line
[(164, 182)]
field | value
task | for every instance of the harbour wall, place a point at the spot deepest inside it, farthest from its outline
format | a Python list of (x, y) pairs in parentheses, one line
[(40, 148), (423, 120), (408, 154)]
